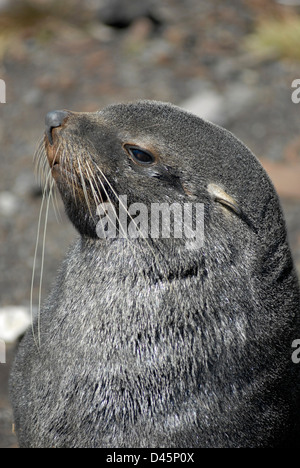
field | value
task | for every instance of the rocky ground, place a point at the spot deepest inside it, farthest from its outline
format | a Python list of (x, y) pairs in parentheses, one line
[(85, 55)]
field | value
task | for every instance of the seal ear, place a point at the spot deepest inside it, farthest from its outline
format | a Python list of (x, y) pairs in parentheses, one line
[(220, 196), (223, 198)]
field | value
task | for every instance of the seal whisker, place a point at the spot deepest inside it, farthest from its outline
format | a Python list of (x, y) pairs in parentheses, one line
[(45, 195), (55, 204), (39, 149), (111, 203), (43, 260), (96, 194), (69, 166), (74, 180), (40, 162), (84, 187)]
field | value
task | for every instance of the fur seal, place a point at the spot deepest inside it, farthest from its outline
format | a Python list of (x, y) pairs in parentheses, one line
[(154, 342)]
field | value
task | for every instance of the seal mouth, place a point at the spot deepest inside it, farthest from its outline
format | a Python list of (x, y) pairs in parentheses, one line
[(52, 153), (74, 174), (54, 157)]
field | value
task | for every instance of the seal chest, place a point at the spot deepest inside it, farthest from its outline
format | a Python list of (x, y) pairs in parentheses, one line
[(178, 339)]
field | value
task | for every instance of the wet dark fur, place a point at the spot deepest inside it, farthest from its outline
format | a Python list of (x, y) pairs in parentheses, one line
[(153, 343)]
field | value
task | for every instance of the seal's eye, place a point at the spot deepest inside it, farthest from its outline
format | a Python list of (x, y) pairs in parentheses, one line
[(139, 155)]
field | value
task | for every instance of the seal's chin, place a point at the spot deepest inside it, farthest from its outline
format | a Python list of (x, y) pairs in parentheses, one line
[(79, 204), (80, 199)]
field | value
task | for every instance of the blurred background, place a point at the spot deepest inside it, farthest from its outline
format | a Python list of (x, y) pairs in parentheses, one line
[(231, 62)]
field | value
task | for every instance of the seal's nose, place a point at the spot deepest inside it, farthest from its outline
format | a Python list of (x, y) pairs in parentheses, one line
[(54, 119)]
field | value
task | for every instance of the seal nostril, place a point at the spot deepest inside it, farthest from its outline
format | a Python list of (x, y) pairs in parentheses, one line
[(54, 119)]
